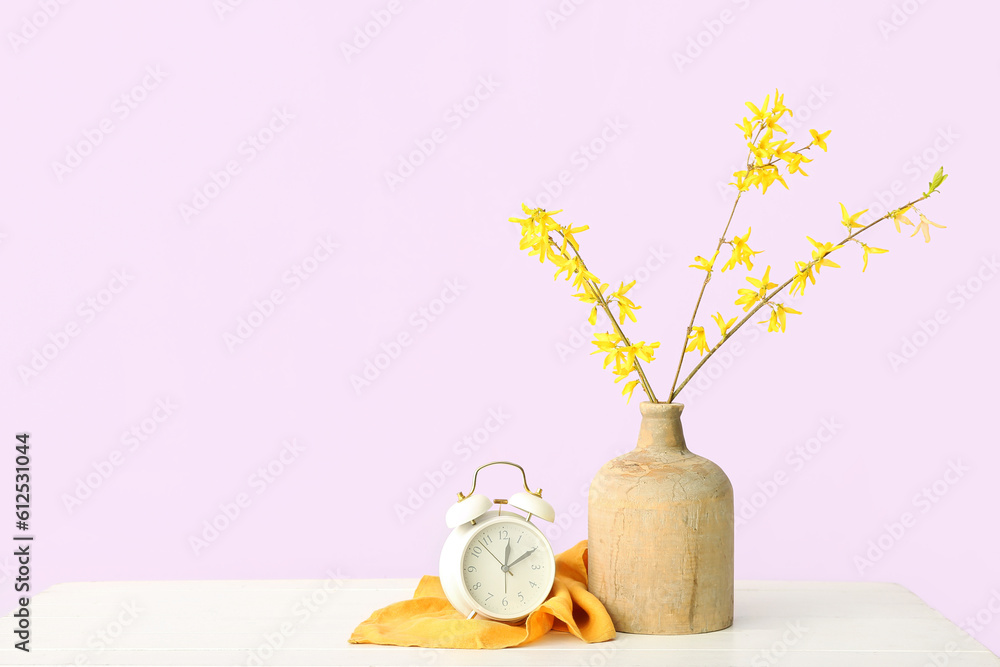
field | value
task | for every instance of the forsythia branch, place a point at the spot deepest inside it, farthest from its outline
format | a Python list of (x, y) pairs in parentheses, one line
[(767, 299)]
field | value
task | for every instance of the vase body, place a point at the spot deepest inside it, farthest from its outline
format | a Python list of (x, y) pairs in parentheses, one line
[(660, 534)]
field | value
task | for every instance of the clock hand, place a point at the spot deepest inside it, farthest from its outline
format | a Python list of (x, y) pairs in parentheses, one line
[(494, 557), (506, 557), (520, 558)]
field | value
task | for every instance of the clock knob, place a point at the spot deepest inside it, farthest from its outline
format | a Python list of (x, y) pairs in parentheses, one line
[(469, 509), (532, 504)]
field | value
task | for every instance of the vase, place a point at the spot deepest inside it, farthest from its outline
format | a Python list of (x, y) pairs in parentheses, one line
[(660, 534)]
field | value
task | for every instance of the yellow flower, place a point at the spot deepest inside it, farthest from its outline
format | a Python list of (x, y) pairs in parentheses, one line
[(567, 234), (848, 220), (743, 182), (777, 320), (742, 253), (898, 216), (625, 305), (697, 338), (803, 273), (702, 263), (779, 107), (574, 269), (723, 325), (643, 351), (625, 356), (748, 297), (628, 389), (820, 253), (535, 232), (747, 128), (589, 296), (795, 165), (869, 249), (535, 215), (764, 283), (772, 123), (761, 113), (607, 343), (768, 175), (820, 139), (925, 227)]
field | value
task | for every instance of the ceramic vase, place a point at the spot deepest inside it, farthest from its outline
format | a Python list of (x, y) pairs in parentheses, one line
[(660, 533)]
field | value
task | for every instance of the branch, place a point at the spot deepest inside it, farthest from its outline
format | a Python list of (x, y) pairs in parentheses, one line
[(767, 299)]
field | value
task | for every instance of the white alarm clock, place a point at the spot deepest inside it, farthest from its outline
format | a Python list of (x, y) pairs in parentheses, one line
[(496, 563)]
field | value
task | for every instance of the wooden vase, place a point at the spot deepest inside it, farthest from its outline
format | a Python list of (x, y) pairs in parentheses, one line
[(660, 534)]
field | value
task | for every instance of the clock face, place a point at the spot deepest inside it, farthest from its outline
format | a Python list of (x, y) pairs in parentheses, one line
[(507, 568)]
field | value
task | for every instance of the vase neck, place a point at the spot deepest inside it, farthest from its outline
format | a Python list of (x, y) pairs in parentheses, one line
[(660, 430)]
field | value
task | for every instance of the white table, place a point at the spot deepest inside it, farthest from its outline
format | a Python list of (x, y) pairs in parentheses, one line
[(234, 622)]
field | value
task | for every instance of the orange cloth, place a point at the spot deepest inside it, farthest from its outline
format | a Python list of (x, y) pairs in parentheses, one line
[(428, 620)]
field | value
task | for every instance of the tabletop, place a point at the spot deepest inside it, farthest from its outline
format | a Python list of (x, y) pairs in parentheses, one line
[(307, 622)]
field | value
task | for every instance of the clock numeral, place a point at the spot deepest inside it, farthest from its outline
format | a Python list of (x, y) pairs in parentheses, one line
[(476, 551), (488, 597), (476, 585), (504, 602), (519, 538), (504, 534), (471, 568), (535, 566), (486, 540), (521, 595), (533, 584)]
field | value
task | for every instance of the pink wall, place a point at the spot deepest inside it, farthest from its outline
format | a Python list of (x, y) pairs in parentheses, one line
[(162, 103)]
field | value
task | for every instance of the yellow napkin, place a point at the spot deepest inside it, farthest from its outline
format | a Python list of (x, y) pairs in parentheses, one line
[(429, 620)]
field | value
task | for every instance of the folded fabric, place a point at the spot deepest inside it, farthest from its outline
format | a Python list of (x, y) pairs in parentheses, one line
[(428, 620)]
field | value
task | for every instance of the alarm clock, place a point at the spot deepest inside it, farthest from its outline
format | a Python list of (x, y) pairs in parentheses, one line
[(495, 563)]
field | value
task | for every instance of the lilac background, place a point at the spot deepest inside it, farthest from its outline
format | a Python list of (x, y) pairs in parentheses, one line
[(654, 197)]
